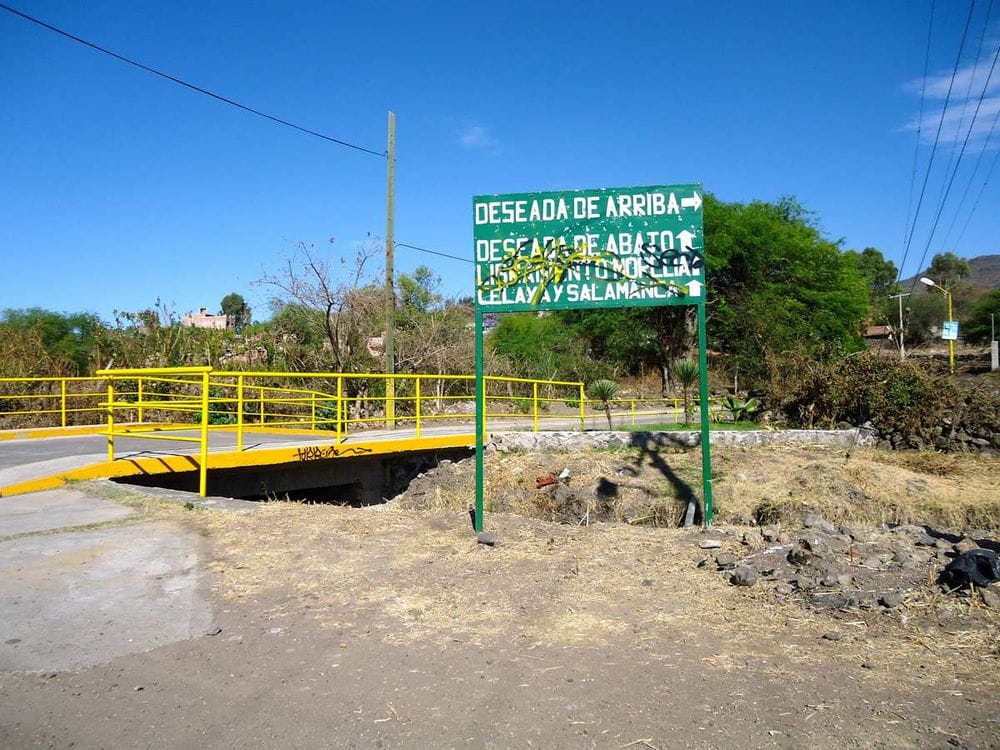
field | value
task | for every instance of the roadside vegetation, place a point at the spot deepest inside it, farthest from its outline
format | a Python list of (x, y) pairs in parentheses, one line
[(787, 309)]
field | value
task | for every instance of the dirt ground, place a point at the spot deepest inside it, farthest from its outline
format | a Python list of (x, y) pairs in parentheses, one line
[(392, 627)]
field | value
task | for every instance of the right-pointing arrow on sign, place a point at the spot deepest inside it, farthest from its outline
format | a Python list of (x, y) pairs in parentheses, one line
[(693, 202)]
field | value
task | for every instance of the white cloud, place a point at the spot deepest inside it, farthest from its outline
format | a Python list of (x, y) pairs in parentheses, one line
[(477, 136), (965, 92)]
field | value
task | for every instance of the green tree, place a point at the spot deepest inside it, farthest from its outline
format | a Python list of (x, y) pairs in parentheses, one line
[(775, 284), (236, 308), (685, 372), (418, 292), (924, 313), (976, 329), (947, 269), (543, 346), (878, 273), (69, 339)]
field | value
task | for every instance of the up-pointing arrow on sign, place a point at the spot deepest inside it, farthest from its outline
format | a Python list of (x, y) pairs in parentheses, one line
[(684, 239), (694, 289), (693, 202)]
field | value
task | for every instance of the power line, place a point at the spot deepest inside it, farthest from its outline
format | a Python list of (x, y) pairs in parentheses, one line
[(982, 189), (958, 163), (972, 179), (968, 93), (937, 137), (920, 125), (433, 252), (191, 86)]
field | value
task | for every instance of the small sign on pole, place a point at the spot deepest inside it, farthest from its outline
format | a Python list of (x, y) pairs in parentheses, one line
[(949, 331), (604, 247)]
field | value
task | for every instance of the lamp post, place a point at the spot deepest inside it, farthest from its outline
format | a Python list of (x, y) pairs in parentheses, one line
[(951, 342)]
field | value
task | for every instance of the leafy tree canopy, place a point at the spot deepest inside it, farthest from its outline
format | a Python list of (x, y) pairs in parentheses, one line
[(237, 308), (66, 337), (976, 329), (774, 284), (878, 273), (947, 269), (543, 347)]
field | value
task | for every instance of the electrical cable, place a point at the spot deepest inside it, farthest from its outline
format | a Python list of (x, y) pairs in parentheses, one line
[(958, 163), (191, 86), (433, 252), (937, 138), (968, 93), (920, 125), (972, 177), (982, 189)]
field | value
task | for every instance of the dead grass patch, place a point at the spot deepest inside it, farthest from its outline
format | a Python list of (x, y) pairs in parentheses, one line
[(412, 577), (752, 485)]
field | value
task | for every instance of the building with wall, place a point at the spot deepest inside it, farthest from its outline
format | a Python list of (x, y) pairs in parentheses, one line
[(202, 319)]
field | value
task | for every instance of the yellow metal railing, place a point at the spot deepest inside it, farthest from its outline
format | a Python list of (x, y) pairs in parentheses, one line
[(185, 404), (198, 378), (338, 402)]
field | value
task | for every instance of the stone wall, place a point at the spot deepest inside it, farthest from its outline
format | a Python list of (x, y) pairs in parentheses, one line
[(581, 441)]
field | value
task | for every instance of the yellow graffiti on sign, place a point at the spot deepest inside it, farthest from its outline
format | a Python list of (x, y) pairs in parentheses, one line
[(552, 261)]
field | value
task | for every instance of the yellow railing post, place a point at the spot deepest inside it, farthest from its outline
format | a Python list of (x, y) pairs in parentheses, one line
[(583, 410), (139, 400), (633, 412), (111, 420), (340, 409), (260, 393), (534, 405), (239, 412), (416, 400), (390, 403), (203, 463), (312, 423), (62, 400)]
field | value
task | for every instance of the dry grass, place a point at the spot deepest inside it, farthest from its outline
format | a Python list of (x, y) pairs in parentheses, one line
[(409, 577), (870, 487), (751, 485)]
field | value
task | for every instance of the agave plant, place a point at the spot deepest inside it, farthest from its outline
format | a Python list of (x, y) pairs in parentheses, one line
[(741, 410), (604, 391), (685, 372)]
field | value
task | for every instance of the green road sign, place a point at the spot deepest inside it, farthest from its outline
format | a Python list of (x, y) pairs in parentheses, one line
[(608, 247)]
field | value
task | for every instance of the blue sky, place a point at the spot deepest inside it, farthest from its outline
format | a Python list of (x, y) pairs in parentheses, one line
[(118, 188)]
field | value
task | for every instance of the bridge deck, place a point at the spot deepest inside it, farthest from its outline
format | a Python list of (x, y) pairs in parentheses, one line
[(38, 463), (43, 459)]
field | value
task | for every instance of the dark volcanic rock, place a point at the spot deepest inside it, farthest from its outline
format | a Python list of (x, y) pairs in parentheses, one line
[(725, 561), (743, 576)]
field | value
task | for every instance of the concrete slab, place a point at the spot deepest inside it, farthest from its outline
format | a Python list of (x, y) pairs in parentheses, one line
[(78, 599), (55, 509)]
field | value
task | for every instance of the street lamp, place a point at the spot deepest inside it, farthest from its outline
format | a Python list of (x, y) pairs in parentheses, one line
[(951, 342)]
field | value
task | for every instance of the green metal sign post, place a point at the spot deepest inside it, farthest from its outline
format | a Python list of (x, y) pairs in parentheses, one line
[(605, 247)]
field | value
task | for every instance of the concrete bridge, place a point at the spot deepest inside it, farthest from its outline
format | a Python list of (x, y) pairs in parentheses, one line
[(251, 433)]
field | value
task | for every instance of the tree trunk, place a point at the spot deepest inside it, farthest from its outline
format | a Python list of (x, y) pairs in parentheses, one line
[(607, 412)]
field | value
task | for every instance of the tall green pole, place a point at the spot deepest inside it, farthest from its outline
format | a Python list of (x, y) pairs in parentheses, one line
[(706, 449), (480, 413)]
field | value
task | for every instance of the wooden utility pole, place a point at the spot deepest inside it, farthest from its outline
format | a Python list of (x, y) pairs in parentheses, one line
[(390, 291), (902, 346)]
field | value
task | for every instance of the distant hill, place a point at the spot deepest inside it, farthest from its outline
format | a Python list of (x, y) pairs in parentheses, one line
[(985, 274)]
